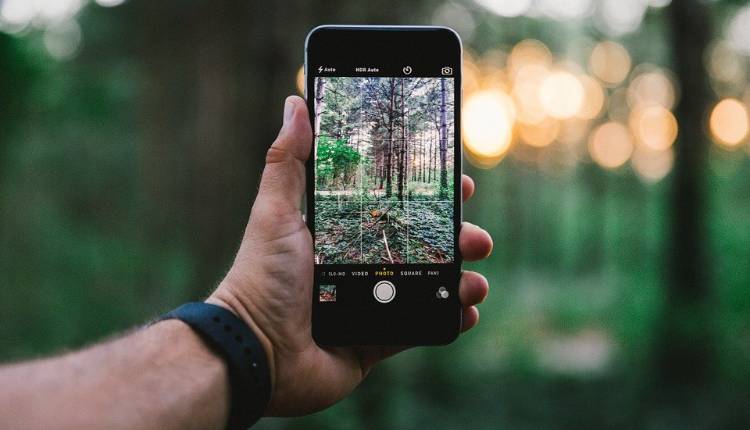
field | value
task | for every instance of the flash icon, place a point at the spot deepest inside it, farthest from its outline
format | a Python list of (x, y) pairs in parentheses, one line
[(320, 69)]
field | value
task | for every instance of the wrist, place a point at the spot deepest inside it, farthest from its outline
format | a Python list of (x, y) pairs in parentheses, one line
[(198, 394), (232, 304), (243, 352)]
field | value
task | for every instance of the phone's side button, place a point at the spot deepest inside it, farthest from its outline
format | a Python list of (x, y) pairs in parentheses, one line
[(384, 291)]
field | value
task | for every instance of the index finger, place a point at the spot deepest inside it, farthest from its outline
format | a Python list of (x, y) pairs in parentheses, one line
[(467, 187)]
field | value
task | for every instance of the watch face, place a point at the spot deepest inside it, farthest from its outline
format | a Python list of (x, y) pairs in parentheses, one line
[(384, 184)]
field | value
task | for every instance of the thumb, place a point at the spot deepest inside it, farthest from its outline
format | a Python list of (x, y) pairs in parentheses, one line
[(283, 182)]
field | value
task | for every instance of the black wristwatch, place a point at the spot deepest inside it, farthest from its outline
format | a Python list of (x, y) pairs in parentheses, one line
[(243, 353)]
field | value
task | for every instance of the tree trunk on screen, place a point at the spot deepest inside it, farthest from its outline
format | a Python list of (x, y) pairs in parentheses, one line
[(320, 88), (401, 147), (421, 159), (443, 141), (433, 159), (391, 138)]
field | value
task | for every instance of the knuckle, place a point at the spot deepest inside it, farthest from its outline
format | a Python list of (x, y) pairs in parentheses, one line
[(276, 154)]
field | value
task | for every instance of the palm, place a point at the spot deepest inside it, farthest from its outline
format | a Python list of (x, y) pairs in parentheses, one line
[(279, 248)]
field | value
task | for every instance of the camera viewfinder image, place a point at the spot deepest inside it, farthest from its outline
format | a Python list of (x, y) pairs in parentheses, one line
[(384, 170)]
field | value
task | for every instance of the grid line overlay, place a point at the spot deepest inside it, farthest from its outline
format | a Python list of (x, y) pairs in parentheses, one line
[(419, 154), (362, 189)]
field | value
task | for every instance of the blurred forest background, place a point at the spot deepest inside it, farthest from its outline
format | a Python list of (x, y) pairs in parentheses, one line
[(608, 139)]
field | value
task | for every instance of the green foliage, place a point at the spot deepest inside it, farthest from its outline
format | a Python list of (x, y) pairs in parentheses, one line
[(431, 231), (337, 231), (355, 229), (342, 101), (336, 163)]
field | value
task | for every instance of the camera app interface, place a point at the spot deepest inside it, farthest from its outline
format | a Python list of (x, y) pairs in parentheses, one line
[(384, 170), (384, 211)]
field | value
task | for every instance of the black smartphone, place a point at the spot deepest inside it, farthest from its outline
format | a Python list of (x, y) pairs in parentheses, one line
[(384, 184)]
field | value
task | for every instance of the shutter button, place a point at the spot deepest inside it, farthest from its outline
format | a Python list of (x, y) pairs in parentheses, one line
[(384, 291)]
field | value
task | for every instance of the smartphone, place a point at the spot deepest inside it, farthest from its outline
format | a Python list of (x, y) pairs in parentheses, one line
[(384, 184)]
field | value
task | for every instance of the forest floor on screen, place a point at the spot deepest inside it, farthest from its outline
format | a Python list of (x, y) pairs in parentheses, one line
[(384, 170)]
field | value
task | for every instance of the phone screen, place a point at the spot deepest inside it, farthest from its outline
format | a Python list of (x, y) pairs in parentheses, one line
[(384, 190)]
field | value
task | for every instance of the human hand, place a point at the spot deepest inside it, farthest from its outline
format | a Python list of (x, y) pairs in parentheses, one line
[(270, 283)]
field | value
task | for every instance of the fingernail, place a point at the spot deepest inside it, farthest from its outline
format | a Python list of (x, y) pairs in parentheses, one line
[(288, 110)]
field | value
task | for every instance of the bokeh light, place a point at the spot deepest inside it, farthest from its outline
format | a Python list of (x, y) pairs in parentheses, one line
[(611, 145), (652, 86), (470, 76), (507, 8), (561, 94), (725, 65), (109, 3), (551, 99), (739, 31), (54, 11), (659, 3), (618, 17), (527, 52), (610, 62), (63, 40), (593, 99), (541, 134), (652, 165), (488, 117), (654, 126), (300, 80), (16, 15), (564, 10), (495, 79), (457, 17), (728, 122), (525, 92)]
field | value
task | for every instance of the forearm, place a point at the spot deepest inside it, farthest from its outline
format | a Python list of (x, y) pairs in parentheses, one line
[(159, 377)]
